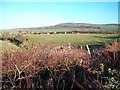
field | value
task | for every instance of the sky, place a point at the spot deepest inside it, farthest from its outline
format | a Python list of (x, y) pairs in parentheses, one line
[(60, 0), (37, 14)]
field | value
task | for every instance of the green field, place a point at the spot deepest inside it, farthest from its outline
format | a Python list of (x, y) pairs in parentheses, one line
[(91, 39), (63, 39)]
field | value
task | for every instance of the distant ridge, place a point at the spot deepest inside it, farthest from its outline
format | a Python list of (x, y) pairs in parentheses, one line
[(76, 27), (84, 24)]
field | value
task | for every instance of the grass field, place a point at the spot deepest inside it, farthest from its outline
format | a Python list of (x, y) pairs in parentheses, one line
[(64, 39), (75, 39)]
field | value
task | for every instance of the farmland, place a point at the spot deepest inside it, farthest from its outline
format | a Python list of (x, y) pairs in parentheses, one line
[(90, 39), (64, 39)]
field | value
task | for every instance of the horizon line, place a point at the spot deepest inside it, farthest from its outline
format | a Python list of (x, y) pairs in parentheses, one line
[(56, 24)]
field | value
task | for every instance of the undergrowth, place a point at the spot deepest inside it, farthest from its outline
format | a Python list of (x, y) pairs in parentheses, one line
[(53, 67)]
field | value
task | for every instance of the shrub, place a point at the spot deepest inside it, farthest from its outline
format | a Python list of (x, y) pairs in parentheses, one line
[(6, 35), (57, 67)]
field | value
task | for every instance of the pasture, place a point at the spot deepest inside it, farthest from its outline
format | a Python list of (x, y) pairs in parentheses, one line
[(74, 39), (62, 39)]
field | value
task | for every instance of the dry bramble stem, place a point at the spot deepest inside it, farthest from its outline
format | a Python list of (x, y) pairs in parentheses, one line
[(57, 67)]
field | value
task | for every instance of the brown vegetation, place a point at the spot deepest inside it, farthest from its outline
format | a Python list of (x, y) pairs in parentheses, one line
[(51, 67)]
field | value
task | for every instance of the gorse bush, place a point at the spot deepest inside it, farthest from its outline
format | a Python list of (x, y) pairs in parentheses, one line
[(52, 67)]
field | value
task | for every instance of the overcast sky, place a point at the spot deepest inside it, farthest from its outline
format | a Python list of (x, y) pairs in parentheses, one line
[(36, 14)]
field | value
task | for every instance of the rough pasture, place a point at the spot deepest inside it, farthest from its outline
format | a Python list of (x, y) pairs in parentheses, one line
[(74, 39)]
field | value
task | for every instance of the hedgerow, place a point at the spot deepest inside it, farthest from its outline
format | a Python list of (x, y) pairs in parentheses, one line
[(53, 67)]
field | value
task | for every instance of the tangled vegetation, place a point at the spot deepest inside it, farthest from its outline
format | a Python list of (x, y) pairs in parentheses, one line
[(63, 67)]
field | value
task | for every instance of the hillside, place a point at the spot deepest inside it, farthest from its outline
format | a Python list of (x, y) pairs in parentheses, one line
[(68, 27), (86, 27)]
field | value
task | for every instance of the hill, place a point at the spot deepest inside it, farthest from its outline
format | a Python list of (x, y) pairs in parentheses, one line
[(68, 27), (86, 27)]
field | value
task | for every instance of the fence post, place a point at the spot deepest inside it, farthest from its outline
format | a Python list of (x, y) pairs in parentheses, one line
[(88, 49)]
